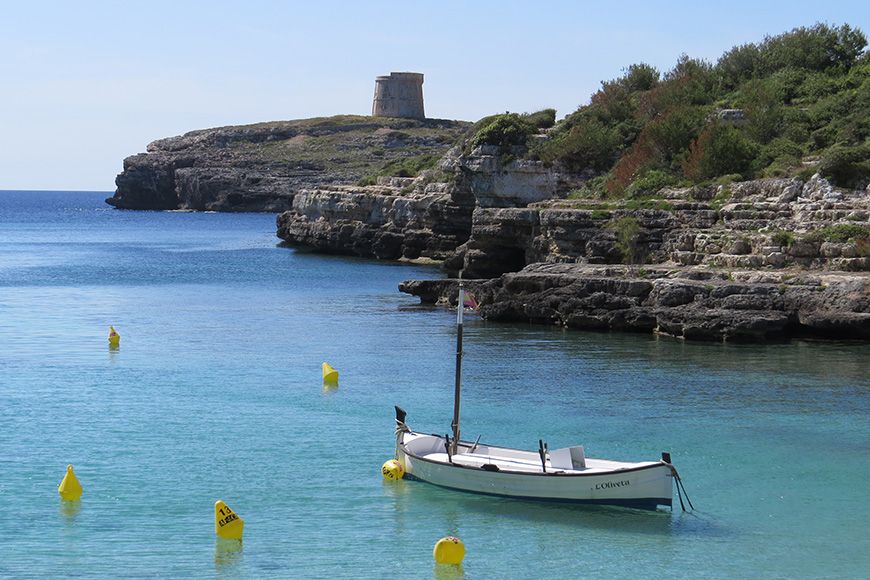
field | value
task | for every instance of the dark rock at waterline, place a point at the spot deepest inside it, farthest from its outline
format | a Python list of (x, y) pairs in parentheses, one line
[(690, 303)]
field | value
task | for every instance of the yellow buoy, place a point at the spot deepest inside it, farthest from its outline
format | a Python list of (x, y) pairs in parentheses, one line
[(70, 489), (114, 337), (393, 470), (449, 550), (227, 523), (330, 375)]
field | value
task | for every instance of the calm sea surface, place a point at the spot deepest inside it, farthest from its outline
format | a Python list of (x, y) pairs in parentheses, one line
[(215, 393)]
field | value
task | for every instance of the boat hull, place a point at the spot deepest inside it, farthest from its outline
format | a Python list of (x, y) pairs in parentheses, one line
[(644, 487)]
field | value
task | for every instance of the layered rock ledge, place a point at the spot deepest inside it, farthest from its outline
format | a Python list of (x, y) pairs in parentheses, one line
[(400, 218), (769, 223), (685, 302), (755, 260)]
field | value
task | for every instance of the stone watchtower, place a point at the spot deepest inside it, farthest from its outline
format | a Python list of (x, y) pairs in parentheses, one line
[(399, 95)]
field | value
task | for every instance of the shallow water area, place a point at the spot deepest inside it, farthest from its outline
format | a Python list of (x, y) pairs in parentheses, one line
[(215, 393)]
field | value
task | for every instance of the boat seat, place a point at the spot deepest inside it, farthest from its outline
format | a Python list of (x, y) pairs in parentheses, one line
[(568, 458)]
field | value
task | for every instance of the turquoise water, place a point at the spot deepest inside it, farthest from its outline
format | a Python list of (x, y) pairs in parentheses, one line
[(215, 393)]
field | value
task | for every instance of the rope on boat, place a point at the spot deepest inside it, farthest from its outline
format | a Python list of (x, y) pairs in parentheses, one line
[(679, 483), (542, 451), (447, 448)]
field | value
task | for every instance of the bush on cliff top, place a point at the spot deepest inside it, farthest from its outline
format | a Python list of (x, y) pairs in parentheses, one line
[(803, 92), (506, 130)]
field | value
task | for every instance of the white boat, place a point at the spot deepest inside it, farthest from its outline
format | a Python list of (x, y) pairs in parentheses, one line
[(562, 475)]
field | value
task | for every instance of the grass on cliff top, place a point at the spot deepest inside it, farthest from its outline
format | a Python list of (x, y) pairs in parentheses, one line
[(348, 146), (363, 120)]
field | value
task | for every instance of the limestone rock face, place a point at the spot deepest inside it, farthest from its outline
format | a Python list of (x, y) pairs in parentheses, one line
[(387, 221), (772, 223), (515, 183), (425, 217), (692, 303)]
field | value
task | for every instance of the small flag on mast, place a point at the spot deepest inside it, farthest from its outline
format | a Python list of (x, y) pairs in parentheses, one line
[(470, 301)]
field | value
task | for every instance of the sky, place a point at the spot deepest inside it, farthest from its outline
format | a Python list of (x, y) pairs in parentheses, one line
[(87, 83)]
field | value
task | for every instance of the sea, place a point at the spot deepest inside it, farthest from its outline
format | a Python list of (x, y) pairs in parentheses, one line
[(215, 393)]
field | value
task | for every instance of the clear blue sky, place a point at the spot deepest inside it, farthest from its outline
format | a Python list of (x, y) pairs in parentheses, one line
[(86, 83)]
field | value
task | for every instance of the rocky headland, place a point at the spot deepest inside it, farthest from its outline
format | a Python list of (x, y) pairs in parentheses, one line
[(750, 260), (724, 201), (261, 167)]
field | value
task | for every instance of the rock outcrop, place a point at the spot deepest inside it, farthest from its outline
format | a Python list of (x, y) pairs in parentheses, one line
[(429, 216), (772, 223), (261, 167), (400, 218), (754, 260), (686, 302)]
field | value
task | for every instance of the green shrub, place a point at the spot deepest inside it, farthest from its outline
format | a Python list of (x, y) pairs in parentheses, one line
[(651, 182), (785, 85), (778, 157), (795, 125), (819, 85), (503, 131), (692, 81), (648, 203), (722, 197), (543, 119), (782, 238), (727, 179), (780, 168), (408, 166), (672, 131), (841, 233), (763, 110), (719, 150), (819, 47), (588, 145), (739, 64), (806, 173), (640, 77), (627, 231), (846, 166), (367, 180), (594, 188)]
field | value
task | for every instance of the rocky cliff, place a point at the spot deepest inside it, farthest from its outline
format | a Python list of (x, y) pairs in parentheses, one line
[(261, 167), (743, 261), (429, 216), (399, 218), (769, 223), (748, 260), (692, 302)]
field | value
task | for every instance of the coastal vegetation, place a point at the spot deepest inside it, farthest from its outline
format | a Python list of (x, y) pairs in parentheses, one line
[(788, 106)]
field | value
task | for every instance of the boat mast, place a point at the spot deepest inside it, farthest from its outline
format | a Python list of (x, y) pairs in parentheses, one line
[(457, 391)]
